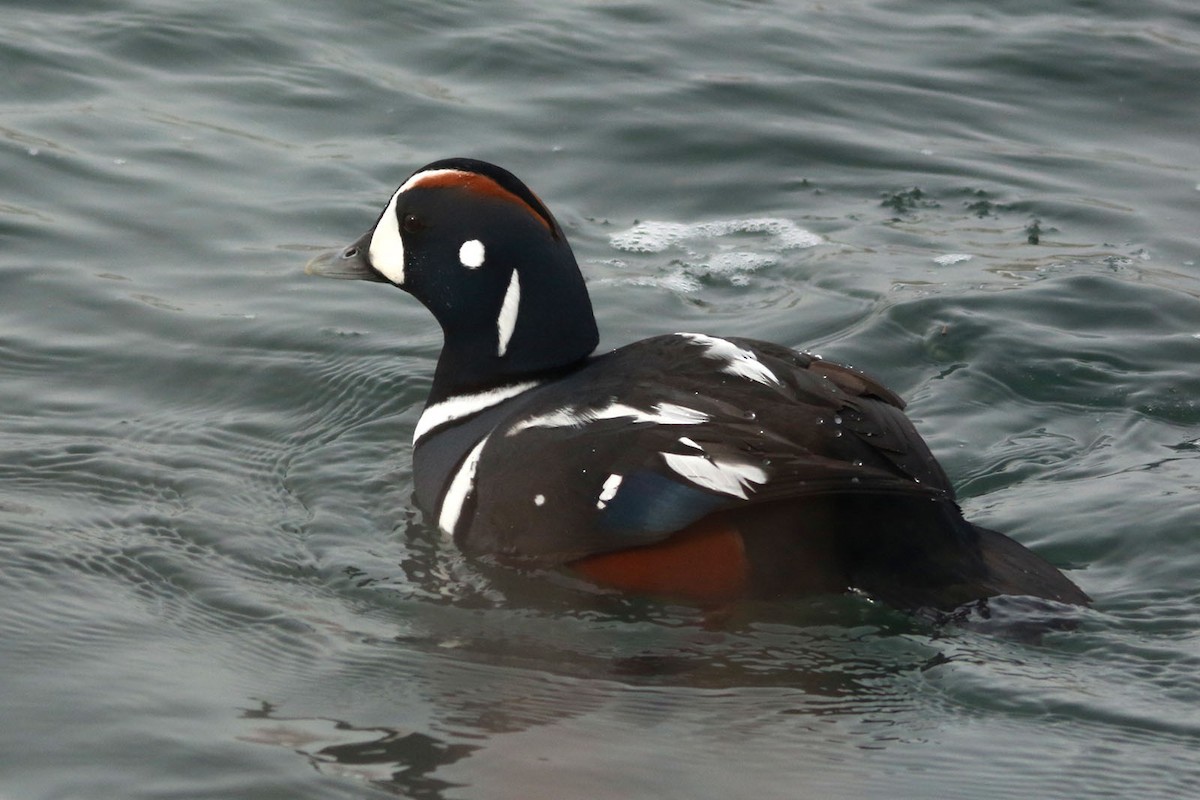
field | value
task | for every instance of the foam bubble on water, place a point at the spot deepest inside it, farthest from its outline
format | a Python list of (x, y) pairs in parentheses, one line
[(736, 265), (655, 237), (708, 252), (649, 237), (952, 258), (676, 281)]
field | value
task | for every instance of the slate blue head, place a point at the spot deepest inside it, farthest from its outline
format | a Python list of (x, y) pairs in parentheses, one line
[(484, 254)]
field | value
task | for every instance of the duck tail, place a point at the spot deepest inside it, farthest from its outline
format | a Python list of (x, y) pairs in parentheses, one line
[(912, 554), (1013, 569)]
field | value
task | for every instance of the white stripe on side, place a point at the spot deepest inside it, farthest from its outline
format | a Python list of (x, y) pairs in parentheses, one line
[(459, 490)]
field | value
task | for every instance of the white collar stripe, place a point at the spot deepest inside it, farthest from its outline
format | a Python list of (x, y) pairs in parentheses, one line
[(465, 405)]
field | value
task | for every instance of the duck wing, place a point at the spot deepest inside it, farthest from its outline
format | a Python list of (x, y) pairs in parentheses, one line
[(657, 435)]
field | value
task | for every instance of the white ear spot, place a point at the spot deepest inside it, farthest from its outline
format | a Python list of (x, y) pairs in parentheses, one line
[(387, 250), (471, 254), (507, 321)]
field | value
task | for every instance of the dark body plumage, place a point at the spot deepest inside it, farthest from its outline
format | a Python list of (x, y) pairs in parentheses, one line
[(685, 464)]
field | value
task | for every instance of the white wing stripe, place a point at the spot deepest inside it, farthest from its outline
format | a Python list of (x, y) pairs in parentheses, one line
[(574, 417)]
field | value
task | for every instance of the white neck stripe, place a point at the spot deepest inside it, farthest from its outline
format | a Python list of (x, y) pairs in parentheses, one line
[(506, 322), (465, 405)]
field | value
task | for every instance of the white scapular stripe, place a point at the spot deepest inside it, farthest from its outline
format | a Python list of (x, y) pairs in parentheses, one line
[(742, 363), (726, 477), (573, 417), (464, 405), (673, 414), (507, 321), (460, 488), (386, 251)]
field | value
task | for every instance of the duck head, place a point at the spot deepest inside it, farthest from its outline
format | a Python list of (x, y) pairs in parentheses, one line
[(486, 257)]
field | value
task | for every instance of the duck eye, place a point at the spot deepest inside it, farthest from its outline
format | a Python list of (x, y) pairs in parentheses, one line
[(411, 223)]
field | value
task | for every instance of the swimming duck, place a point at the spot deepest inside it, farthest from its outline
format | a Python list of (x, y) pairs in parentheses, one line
[(687, 465)]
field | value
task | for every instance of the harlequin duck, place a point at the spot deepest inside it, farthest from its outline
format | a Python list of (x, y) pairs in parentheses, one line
[(685, 465)]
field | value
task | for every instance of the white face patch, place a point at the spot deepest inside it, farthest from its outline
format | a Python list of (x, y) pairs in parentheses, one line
[(507, 321), (386, 252), (726, 477), (459, 490), (470, 255), (539, 499), (742, 363)]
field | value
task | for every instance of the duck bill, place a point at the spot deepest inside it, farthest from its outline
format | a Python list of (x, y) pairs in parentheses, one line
[(349, 263)]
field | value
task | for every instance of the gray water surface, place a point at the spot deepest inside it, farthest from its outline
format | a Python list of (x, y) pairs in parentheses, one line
[(212, 579)]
